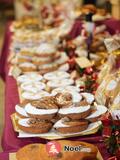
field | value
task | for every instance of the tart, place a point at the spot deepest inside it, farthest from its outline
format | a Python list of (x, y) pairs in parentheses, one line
[(45, 60), (46, 50), (56, 75), (88, 97), (27, 67), (34, 125), (41, 60), (32, 86), (45, 108), (47, 68), (22, 59), (60, 83), (20, 110), (63, 99), (34, 96), (66, 125), (29, 77), (97, 113), (73, 90), (75, 112)]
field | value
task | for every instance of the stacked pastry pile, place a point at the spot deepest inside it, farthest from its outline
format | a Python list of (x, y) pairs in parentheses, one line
[(34, 86), (58, 113)]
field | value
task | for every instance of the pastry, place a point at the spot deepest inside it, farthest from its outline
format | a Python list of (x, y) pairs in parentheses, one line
[(56, 75), (27, 51), (34, 96), (66, 125), (20, 111), (45, 68), (73, 90), (29, 77), (97, 113), (46, 50), (22, 59), (75, 112), (34, 125), (85, 151), (63, 99), (60, 83), (45, 108), (62, 60), (27, 67), (45, 60), (67, 89), (32, 86), (88, 97)]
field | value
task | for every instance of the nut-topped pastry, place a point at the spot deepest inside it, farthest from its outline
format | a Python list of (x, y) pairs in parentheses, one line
[(34, 125), (45, 108), (65, 125), (73, 90), (64, 99)]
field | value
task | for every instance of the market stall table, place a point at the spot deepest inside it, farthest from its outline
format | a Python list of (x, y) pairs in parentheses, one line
[(10, 142)]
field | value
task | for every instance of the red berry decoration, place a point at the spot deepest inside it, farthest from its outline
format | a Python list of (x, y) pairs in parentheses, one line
[(94, 86), (93, 92), (89, 70), (94, 76), (82, 88)]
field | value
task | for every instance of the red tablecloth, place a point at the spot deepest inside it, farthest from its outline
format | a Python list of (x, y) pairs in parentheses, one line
[(4, 156), (10, 141)]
